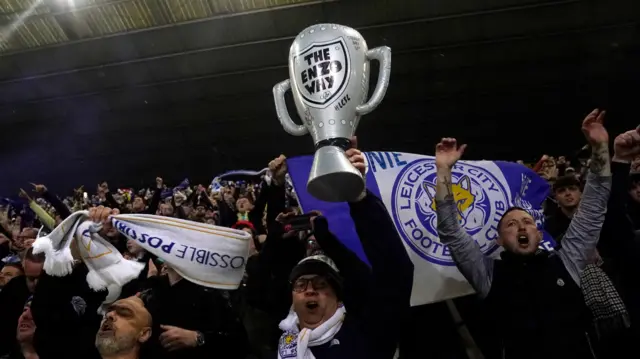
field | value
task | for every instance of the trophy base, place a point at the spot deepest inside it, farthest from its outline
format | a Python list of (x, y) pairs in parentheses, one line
[(333, 178)]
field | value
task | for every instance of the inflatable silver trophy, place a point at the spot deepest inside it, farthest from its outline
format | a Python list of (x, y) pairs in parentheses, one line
[(329, 77)]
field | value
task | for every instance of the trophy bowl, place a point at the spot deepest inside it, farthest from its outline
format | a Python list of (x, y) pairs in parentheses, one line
[(329, 78)]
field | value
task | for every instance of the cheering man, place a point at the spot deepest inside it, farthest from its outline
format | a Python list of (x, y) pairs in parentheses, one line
[(533, 296), (125, 327)]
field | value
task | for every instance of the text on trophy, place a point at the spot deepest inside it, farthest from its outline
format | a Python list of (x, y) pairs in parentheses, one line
[(319, 75)]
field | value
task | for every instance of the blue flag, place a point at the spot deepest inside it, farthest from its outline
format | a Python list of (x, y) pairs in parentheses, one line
[(405, 182)]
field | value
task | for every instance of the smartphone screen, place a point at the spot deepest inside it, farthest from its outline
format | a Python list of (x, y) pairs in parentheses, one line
[(300, 223)]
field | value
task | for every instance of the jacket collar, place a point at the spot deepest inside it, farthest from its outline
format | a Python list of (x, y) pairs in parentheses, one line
[(538, 257)]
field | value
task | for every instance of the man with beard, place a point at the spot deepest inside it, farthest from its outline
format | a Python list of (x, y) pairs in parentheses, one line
[(533, 297), (125, 327)]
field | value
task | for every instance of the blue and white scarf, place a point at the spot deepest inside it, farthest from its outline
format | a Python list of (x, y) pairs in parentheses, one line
[(296, 343), (206, 255)]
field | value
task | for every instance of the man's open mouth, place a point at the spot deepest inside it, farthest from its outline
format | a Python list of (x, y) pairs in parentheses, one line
[(311, 305), (523, 239), (106, 327)]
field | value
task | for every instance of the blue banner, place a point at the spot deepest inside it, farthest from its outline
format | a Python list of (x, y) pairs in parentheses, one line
[(406, 184)]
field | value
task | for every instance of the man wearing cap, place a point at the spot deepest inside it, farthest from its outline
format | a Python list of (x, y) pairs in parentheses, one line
[(341, 308), (125, 327), (567, 193)]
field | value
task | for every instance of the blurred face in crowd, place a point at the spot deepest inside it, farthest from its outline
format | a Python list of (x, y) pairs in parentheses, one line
[(200, 211), (314, 300), (518, 233), (568, 197), (166, 210), (26, 237), (138, 205), (243, 205), (134, 248), (634, 192), (635, 164), (8, 272), (26, 326), (124, 328), (32, 271)]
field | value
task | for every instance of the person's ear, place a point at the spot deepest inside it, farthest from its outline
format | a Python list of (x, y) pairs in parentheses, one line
[(145, 334), (499, 240)]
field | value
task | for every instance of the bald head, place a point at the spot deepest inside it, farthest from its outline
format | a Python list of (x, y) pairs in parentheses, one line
[(124, 328), (136, 306)]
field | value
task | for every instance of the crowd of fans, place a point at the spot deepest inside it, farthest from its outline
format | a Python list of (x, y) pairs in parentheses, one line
[(530, 304)]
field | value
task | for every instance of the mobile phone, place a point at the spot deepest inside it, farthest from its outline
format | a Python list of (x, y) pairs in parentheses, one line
[(300, 223)]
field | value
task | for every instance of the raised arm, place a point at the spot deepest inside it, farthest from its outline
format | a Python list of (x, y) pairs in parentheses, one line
[(581, 238), (470, 260), (617, 239)]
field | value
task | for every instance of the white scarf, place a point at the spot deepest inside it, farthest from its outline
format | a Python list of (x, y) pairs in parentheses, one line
[(295, 343), (204, 254)]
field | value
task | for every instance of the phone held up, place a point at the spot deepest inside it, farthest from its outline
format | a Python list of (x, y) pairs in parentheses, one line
[(299, 223)]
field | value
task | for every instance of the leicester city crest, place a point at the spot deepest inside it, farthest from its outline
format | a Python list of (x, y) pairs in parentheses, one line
[(481, 199), (322, 72), (288, 346)]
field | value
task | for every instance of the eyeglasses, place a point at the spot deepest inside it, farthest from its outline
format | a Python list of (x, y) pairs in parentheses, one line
[(317, 282)]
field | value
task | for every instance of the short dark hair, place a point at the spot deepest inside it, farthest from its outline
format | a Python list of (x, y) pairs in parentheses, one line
[(514, 208), (566, 181), (17, 265), (36, 258)]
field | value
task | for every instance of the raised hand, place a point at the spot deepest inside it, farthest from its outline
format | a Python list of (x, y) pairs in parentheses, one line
[(598, 138), (448, 152), (593, 129), (101, 215), (627, 146), (278, 168), (356, 157), (39, 188)]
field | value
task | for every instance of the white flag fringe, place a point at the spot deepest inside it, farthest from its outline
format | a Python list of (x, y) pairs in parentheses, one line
[(207, 255)]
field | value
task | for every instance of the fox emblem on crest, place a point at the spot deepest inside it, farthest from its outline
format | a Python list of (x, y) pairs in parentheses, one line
[(470, 216), (480, 194)]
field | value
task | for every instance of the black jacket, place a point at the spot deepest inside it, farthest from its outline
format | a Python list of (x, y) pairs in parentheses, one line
[(516, 300), (376, 298), (190, 306)]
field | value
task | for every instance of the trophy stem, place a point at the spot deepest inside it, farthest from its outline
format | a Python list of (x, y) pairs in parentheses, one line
[(333, 178), (343, 143)]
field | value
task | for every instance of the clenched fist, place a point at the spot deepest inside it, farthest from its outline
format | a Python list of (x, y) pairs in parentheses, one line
[(101, 215)]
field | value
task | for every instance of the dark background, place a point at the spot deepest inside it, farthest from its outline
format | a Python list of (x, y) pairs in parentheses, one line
[(512, 78)]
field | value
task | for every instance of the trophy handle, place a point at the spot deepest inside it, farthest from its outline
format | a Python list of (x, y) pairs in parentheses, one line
[(383, 55), (281, 110)]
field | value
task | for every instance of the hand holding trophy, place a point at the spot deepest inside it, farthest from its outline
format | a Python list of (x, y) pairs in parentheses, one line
[(329, 78)]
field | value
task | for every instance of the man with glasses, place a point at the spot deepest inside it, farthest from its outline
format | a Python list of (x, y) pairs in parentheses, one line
[(342, 307)]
